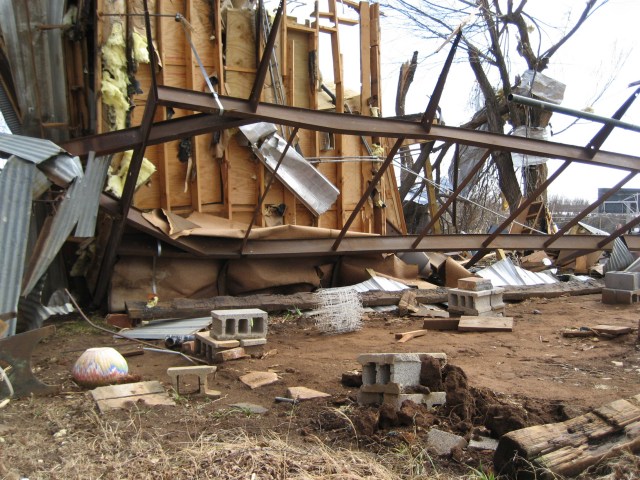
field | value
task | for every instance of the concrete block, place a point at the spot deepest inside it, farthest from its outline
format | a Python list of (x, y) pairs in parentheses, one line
[(252, 342), (466, 302), (222, 344), (442, 443), (202, 372), (399, 357), (238, 324), (364, 398), (397, 400), (622, 280), (430, 400), (435, 399), (475, 284), (483, 443), (621, 297), (390, 388)]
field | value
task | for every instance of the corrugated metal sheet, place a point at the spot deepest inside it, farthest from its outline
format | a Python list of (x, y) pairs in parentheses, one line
[(62, 169), (15, 214), (9, 114), (505, 272), (307, 183), (37, 63), (381, 284), (161, 329), (591, 229), (620, 257), (56, 232), (35, 150), (92, 185)]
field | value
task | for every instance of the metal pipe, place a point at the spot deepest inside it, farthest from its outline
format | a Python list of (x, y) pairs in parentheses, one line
[(552, 107)]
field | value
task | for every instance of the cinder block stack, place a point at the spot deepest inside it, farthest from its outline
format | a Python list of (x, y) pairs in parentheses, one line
[(234, 334), (476, 296), (392, 378), (621, 288)]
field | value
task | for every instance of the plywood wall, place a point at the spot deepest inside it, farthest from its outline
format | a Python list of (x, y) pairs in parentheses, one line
[(229, 183)]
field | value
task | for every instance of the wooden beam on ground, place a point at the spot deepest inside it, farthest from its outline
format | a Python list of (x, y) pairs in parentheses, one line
[(185, 307), (568, 448)]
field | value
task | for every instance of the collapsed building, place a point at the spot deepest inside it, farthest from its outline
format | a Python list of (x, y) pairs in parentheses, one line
[(226, 164)]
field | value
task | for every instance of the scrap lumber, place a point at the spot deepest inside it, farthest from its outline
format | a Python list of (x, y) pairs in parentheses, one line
[(406, 336), (185, 307), (598, 330), (112, 397), (441, 324), (570, 447), (485, 324)]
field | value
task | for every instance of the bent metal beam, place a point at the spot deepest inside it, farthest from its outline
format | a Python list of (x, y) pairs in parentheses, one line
[(385, 127)]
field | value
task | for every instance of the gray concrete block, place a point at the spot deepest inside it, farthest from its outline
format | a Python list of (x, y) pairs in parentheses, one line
[(622, 280), (238, 324), (397, 400), (398, 357), (429, 400), (390, 388), (364, 398), (621, 297), (484, 443), (252, 342), (442, 443)]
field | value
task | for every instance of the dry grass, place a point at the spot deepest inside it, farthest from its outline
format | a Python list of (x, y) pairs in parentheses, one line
[(94, 446)]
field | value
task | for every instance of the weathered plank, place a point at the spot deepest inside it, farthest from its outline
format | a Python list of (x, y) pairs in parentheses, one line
[(568, 448), (184, 307), (485, 324)]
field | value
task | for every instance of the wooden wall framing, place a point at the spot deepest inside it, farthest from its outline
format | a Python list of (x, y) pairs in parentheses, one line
[(229, 181)]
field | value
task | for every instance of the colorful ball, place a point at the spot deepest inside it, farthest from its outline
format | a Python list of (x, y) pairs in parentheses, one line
[(100, 366)]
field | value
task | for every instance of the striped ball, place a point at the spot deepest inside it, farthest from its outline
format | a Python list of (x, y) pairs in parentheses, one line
[(100, 366)]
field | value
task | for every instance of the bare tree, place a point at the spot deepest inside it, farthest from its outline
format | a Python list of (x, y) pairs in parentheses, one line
[(489, 28)]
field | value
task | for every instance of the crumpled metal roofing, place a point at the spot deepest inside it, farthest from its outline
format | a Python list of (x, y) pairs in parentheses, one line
[(35, 150), (505, 272), (161, 329), (306, 182), (15, 215)]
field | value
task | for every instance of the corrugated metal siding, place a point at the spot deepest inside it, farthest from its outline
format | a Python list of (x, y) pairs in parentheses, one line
[(51, 239), (620, 257), (35, 150), (9, 114), (92, 183), (62, 169), (15, 214)]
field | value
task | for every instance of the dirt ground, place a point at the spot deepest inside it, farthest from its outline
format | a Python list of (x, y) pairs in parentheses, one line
[(536, 373)]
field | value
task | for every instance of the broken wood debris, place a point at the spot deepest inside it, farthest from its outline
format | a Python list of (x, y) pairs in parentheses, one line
[(570, 447), (609, 331), (123, 396)]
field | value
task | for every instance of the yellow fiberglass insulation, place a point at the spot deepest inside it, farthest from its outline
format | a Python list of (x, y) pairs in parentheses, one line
[(114, 76), (140, 51), (118, 174)]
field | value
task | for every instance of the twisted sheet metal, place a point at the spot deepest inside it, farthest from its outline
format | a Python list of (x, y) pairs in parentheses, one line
[(15, 214), (35, 150)]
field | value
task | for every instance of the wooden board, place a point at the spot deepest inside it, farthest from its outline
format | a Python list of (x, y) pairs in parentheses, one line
[(568, 448), (441, 324), (406, 336), (611, 329), (122, 396), (485, 324)]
